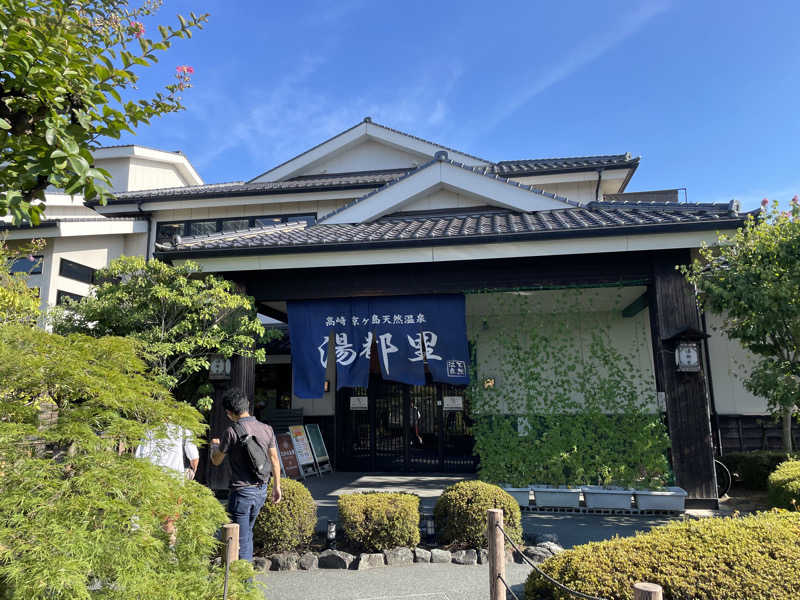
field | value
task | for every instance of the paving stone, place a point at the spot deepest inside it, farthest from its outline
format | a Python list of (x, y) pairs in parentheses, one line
[(399, 556), (421, 555), (261, 564), (465, 557), (309, 561), (369, 561), (537, 555), (285, 561), (335, 559), (440, 556)]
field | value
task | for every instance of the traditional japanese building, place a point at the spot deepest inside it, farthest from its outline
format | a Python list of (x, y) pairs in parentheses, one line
[(383, 252)]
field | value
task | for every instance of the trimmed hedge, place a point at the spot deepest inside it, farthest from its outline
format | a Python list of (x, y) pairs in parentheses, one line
[(753, 558), (751, 469), (376, 521), (784, 485), (288, 525), (460, 513)]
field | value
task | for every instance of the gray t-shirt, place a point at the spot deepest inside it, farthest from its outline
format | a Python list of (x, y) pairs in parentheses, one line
[(241, 472)]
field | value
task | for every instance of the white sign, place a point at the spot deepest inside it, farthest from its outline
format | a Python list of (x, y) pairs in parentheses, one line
[(453, 403), (301, 446), (359, 403)]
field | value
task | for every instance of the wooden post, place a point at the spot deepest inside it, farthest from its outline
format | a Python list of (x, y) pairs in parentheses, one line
[(231, 532), (497, 554), (647, 591)]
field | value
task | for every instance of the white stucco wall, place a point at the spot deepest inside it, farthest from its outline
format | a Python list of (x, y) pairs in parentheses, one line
[(494, 319), (440, 199), (149, 174), (368, 155), (730, 364)]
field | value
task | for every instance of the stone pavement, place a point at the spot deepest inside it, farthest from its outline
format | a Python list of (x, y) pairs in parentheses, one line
[(414, 582)]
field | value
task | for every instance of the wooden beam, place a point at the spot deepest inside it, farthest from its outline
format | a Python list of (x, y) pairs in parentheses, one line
[(672, 308), (635, 307)]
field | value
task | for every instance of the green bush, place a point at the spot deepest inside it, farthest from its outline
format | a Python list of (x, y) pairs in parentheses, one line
[(379, 521), (752, 558), (751, 469), (460, 513), (784, 485), (288, 525)]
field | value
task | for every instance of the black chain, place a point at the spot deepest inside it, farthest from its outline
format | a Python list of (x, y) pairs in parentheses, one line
[(559, 585)]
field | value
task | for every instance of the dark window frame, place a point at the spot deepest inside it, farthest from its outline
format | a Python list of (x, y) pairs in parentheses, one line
[(251, 220), (38, 265), (80, 272), (61, 295)]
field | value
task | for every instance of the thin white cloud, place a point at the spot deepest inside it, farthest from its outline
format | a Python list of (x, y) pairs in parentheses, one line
[(578, 56)]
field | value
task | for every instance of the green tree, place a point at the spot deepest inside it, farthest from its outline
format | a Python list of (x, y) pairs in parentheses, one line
[(178, 317), (753, 280), (18, 302), (64, 68), (80, 517)]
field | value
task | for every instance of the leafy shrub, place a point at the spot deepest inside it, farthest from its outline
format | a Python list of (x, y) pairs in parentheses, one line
[(380, 521), (460, 513), (74, 511), (784, 485), (288, 525), (753, 558), (752, 469)]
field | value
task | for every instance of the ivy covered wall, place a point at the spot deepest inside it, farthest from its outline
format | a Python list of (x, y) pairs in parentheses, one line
[(563, 389)]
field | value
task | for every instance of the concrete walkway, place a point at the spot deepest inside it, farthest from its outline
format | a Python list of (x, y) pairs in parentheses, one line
[(415, 582)]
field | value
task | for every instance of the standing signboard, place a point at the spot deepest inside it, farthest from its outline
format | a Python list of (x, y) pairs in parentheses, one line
[(288, 457), (318, 448), (302, 450)]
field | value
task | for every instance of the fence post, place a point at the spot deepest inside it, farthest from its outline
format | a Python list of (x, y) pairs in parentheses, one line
[(647, 591), (497, 554), (231, 532)]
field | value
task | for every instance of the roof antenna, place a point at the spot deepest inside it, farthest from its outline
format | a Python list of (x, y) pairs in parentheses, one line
[(440, 155)]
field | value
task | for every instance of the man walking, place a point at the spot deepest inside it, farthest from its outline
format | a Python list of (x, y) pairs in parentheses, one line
[(248, 489)]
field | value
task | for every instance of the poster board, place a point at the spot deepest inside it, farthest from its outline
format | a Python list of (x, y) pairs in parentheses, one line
[(302, 450), (359, 403), (289, 464), (318, 448), (453, 403)]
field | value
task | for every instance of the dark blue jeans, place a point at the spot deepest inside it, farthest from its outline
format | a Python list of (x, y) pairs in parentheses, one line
[(244, 505)]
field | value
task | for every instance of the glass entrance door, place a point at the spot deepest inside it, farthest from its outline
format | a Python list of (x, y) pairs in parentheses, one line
[(402, 428)]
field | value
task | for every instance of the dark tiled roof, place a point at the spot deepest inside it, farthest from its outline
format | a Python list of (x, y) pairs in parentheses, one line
[(647, 196), (54, 222), (484, 171), (332, 181), (539, 166), (598, 218)]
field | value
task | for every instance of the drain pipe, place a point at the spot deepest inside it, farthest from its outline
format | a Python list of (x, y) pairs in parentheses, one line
[(149, 227), (597, 189)]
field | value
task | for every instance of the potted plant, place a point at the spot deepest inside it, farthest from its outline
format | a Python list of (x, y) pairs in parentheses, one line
[(605, 495), (666, 498)]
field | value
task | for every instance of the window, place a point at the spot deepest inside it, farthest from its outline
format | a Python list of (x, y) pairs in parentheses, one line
[(76, 271), (166, 231), (309, 219), (62, 297), (235, 224), (202, 227), (31, 265), (264, 221)]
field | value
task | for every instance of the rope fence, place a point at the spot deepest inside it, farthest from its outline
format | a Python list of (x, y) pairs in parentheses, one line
[(498, 586)]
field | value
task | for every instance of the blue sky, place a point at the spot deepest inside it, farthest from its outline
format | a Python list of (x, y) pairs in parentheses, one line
[(705, 92)]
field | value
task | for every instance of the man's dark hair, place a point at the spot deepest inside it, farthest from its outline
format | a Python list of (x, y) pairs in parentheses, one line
[(235, 401)]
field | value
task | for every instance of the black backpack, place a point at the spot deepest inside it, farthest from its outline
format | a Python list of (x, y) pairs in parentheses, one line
[(258, 459)]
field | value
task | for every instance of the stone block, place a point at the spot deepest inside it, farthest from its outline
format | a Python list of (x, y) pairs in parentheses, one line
[(440, 556), (483, 556), (551, 547), (309, 561), (369, 561), (465, 557), (421, 555), (285, 561), (261, 564), (537, 555), (399, 556), (335, 559)]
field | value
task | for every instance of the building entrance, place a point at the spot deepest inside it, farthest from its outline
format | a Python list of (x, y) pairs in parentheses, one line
[(392, 426)]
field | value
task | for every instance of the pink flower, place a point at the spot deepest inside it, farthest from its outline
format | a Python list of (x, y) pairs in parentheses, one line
[(795, 199), (185, 69), (764, 202), (138, 28)]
